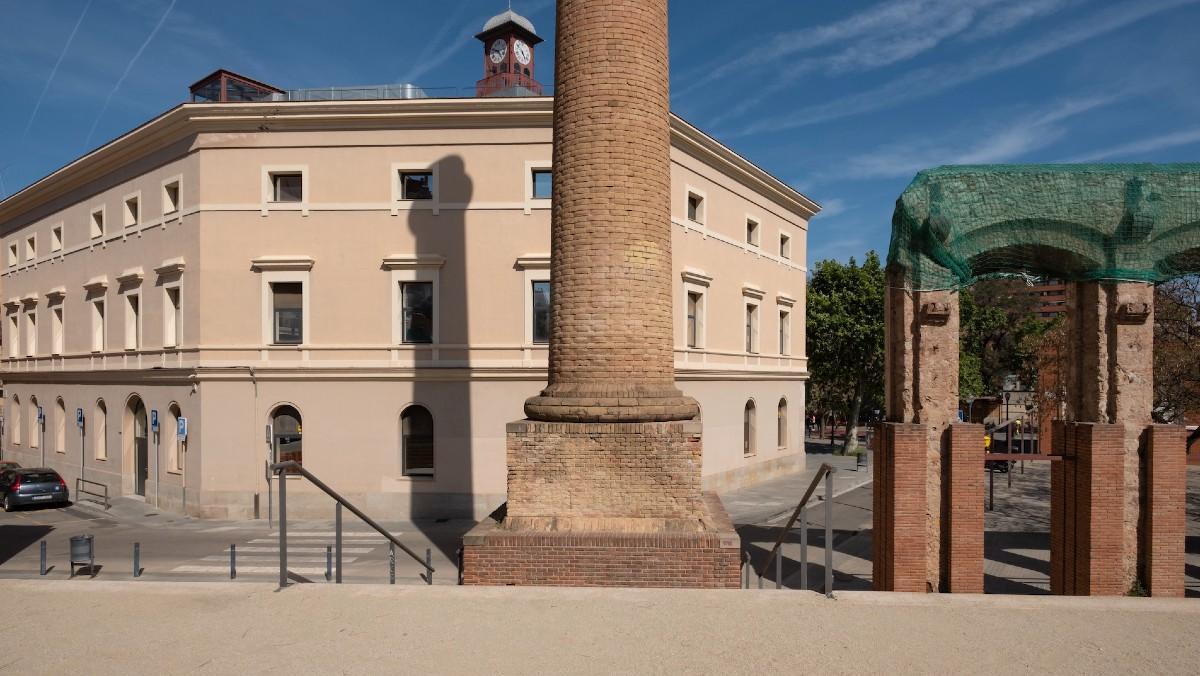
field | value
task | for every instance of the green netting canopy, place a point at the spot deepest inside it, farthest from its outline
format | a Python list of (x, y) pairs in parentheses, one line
[(954, 225)]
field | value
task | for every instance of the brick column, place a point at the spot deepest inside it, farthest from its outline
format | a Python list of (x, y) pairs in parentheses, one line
[(1164, 528), (1110, 380), (611, 342), (921, 378), (1087, 544), (899, 516), (962, 542)]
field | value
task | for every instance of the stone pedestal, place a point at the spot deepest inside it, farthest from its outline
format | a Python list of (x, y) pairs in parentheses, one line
[(899, 515), (1164, 496), (605, 504), (962, 537)]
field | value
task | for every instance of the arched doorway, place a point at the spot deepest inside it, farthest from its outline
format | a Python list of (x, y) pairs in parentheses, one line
[(139, 429), (286, 435)]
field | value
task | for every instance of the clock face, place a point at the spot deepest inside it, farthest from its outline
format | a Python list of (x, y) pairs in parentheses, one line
[(522, 51), (498, 51)]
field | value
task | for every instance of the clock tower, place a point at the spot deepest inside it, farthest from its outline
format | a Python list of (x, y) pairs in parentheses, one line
[(508, 41)]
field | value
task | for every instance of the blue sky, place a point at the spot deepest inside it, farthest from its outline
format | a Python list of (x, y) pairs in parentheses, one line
[(843, 100)]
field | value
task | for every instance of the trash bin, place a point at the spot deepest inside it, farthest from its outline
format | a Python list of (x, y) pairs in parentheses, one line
[(83, 551)]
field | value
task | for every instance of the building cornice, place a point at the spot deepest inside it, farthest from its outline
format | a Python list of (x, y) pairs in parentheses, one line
[(96, 284), (697, 277), (131, 276), (532, 262), (412, 261), (171, 266), (56, 294), (188, 119)]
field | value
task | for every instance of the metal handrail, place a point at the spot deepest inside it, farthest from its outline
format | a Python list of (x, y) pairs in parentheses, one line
[(293, 466), (825, 471), (79, 490)]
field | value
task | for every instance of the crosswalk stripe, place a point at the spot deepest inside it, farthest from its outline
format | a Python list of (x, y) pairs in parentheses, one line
[(247, 569), (220, 529), (315, 541), (303, 550)]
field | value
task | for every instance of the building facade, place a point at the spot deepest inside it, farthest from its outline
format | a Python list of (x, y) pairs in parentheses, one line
[(362, 286)]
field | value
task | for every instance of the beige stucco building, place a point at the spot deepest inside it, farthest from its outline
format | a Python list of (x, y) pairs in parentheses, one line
[(363, 285)]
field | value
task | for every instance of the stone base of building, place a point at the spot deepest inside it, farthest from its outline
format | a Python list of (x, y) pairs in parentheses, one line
[(643, 553)]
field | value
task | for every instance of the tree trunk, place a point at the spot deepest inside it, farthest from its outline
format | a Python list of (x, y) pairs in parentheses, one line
[(851, 441)]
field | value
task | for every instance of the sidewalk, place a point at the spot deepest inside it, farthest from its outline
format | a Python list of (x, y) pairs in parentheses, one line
[(774, 500), (220, 628)]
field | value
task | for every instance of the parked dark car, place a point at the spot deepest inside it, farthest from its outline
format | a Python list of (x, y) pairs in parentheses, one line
[(32, 486)]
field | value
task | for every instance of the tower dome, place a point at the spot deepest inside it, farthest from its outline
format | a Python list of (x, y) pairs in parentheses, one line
[(505, 17)]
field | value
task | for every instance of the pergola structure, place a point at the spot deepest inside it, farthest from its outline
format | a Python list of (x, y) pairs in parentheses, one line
[(1117, 482)]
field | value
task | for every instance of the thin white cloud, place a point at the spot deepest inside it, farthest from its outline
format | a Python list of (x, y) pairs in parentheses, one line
[(444, 44), (832, 207), (1025, 134), (128, 67), (932, 80), (1139, 149), (53, 71)]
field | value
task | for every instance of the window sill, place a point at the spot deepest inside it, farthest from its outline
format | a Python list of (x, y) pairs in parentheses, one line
[(749, 455), (417, 477), (175, 472)]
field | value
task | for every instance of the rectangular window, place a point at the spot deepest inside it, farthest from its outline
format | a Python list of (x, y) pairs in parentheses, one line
[(97, 223), (695, 208), (98, 340), (56, 330), (543, 182), (287, 187), (752, 328), (31, 247), (56, 238), (14, 338), (133, 321), (170, 197), (693, 319), (417, 300), (133, 212), (541, 312), (12, 254), (287, 313), (752, 232), (172, 318), (416, 185), (785, 332), (785, 246), (30, 333)]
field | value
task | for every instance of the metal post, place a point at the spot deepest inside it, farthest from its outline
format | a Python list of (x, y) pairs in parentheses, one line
[(42, 568), (804, 547), (282, 530), (328, 563), (779, 569), (232, 562), (337, 541), (829, 533), (429, 565), (391, 563), (1010, 473), (137, 559), (991, 487)]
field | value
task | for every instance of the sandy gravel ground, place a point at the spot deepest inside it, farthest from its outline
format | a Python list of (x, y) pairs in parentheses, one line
[(95, 627)]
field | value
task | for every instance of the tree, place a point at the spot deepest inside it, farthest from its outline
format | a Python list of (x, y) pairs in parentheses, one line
[(845, 337), (1177, 351), (998, 336)]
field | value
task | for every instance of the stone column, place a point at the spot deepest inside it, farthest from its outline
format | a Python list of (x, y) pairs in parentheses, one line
[(1111, 381), (611, 344), (962, 537), (921, 375), (1164, 528)]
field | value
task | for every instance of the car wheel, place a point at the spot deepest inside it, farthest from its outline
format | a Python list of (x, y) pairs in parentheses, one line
[(8, 504)]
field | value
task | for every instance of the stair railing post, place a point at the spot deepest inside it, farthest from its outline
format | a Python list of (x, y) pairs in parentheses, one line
[(804, 548), (337, 540), (283, 582), (829, 534)]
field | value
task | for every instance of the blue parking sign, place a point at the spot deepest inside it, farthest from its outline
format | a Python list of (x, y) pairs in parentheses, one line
[(79, 417), (181, 427), (154, 420)]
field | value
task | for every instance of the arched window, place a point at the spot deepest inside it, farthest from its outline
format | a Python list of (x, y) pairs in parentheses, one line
[(34, 436), (286, 434), (748, 445), (60, 426), (781, 423), (100, 431), (16, 420), (175, 445), (416, 440)]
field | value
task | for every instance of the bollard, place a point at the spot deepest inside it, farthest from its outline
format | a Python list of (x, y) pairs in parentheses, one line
[(328, 563), (232, 562), (137, 559), (779, 568), (42, 568), (391, 563), (804, 547), (337, 541), (829, 534), (428, 565), (991, 487)]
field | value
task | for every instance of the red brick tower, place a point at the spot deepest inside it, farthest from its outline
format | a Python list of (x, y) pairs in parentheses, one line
[(604, 476)]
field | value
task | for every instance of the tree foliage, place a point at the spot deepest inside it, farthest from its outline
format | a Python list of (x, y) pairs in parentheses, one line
[(1177, 351), (999, 336), (845, 337)]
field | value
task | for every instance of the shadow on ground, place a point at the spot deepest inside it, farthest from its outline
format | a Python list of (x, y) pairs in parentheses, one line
[(16, 539)]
